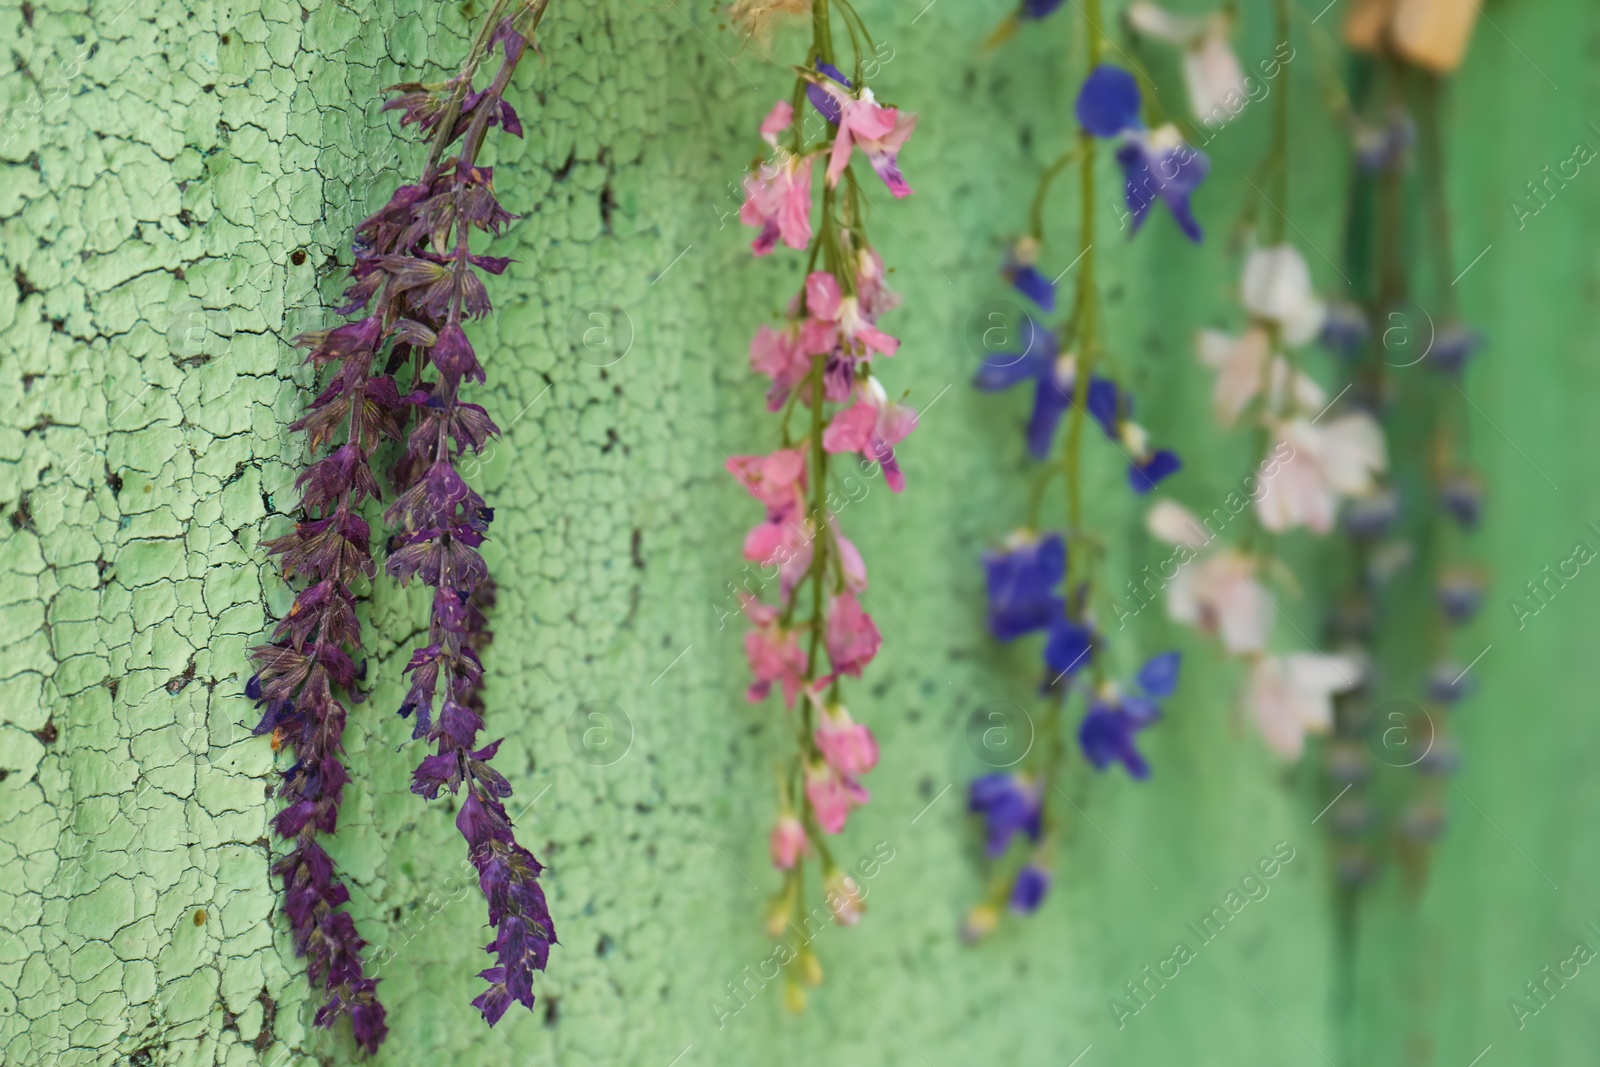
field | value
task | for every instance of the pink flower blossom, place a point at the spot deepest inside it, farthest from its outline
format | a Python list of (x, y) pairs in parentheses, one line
[(783, 543), (852, 636), (778, 354), (836, 320), (832, 796), (851, 565), (878, 131), (777, 120), (1291, 695), (778, 480), (872, 426), (783, 540), (1216, 593), (1336, 459), (871, 286), (1277, 287), (778, 199), (788, 842), (774, 653), (848, 746)]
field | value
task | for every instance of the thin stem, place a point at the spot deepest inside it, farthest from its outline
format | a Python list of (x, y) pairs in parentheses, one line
[(1280, 136), (1036, 210), (444, 132), (1433, 174)]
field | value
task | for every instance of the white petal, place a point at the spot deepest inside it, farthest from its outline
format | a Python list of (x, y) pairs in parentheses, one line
[(1352, 451), (1277, 287), (1176, 525), (1272, 704), (1244, 609), (1154, 21), (1214, 78), (1306, 393), (1214, 347), (1304, 322), (1298, 494), (1183, 604), (1240, 374), (1313, 673)]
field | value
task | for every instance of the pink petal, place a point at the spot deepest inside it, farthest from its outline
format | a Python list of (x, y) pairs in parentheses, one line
[(822, 296), (851, 563), (778, 119), (764, 542), (877, 340), (840, 158), (794, 206), (887, 166), (818, 337), (851, 429), (896, 423), (869, 121)]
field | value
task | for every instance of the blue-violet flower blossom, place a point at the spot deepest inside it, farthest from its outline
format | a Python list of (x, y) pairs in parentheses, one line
[(1107, 732), (1029, 890), (1022, 581), (1010, 804), (1156, 164)]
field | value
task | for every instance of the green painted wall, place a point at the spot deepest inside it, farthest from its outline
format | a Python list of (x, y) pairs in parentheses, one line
[(178, 208)]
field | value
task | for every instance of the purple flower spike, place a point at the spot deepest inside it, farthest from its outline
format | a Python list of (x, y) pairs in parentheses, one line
[(440, 522), (412, 286), (1108, 103)]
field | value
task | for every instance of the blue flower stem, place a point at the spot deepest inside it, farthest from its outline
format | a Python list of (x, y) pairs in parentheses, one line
[(1084, 309), (1083, 327), (1036, 209), (1041, 483)]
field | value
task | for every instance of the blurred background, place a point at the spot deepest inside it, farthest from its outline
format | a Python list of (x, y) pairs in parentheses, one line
[(183, 207)]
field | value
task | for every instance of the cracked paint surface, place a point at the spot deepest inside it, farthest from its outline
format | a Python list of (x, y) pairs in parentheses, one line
[(177, 209)]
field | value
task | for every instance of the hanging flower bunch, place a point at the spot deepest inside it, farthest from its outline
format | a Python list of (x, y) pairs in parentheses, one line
[(1452, 511), (415, 286), (1043, 581), (1412, 736), (1314, 457), (822, 363)]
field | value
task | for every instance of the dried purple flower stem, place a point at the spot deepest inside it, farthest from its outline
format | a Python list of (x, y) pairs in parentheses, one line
[(313, 651), (314, 647), (439, 520)]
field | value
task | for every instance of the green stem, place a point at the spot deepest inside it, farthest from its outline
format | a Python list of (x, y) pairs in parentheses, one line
[(1433, 174), (1036, 210), (1280, 137)]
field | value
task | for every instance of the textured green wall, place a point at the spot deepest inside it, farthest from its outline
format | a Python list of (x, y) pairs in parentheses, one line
[(178, 209)]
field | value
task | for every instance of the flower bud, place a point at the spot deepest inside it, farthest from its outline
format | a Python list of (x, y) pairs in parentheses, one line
[(981, 921), (808, 966), (787, 841), (845, 898), (794, 997)]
